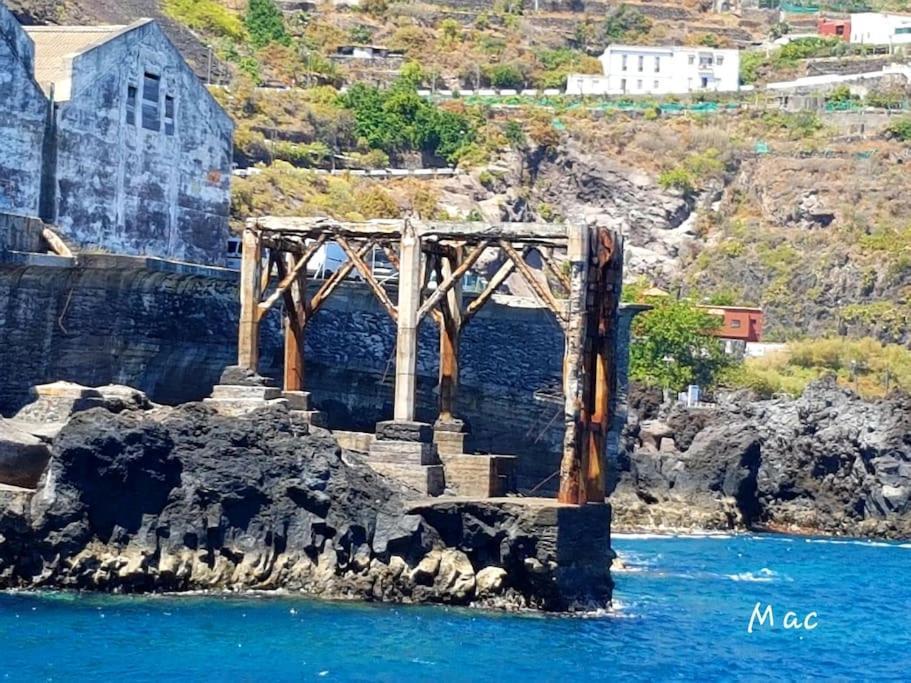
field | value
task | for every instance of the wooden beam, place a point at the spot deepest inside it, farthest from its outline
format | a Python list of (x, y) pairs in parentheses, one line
[(407, 332), (335, 280), (533, 233), (295, 321), (367, 274), (250, 278), (287, 278), (453, 278), (571, 489), (554, 271), (450, 332), (493, 285), (543, 294)]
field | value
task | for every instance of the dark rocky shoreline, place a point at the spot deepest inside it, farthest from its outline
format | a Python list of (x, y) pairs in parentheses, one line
[(182, 499), (827, 463)]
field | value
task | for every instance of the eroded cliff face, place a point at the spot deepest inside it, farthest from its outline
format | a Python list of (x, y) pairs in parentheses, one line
[(176, 499), (828, 462)]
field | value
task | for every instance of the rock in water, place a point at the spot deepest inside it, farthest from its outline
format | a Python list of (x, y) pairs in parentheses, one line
[(185, 499)]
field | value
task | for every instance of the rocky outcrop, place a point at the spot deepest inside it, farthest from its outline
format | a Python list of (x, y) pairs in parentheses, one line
[(828, 462), (23, 457), (175, 499)]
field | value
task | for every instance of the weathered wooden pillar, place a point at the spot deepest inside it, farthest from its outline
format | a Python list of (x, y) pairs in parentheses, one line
[(607, 281), (294, 331), (250, 293), (571, 489), (450, 331), (406, 344)]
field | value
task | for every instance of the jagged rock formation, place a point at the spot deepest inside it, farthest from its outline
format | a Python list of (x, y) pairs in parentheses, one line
[(184, 499), (828, 462)]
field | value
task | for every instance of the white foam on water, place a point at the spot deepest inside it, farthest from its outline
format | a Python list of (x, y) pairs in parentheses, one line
[(857, 541), (764, 575)]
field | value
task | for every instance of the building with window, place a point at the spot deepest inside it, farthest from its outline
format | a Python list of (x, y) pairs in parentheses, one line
[(877, 28), (646, 70), (134, 153), (834, 28)]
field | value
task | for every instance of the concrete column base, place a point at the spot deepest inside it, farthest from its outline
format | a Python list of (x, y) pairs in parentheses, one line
[(480, 476), (412, 463), (236, 400)]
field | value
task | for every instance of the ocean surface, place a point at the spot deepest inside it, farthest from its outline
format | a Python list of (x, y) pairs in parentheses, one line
[(683, 611)]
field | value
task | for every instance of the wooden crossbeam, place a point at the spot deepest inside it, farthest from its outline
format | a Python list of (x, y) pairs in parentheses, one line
[(556, 272), (470, 232), (287, 278), (367, 274), (456, 276), (507, 269), (336, 279), (544, 296)]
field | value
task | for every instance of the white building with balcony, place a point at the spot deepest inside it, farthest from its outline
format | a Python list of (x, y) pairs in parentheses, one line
[(646, 70), (876, 28)]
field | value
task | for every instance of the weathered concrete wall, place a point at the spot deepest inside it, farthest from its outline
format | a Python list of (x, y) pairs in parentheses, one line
[(23, 116), (164, 329), (126, 189)]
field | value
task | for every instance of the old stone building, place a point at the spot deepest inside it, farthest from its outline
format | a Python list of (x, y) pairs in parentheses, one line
[(136, 155), (23, 118)]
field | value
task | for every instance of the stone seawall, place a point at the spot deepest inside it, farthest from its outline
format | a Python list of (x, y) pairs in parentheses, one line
[(163, 327)]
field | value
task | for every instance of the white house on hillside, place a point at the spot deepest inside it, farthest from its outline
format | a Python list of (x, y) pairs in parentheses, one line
[(875, 28), (646, 70)]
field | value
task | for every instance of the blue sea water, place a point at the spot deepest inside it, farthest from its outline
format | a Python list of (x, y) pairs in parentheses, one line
[(684, 605)]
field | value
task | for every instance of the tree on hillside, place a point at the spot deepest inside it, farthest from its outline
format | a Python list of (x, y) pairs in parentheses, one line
[(266, 24), (673, 347)]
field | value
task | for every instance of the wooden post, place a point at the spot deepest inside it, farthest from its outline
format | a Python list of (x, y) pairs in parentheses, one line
[(571, 489), (250, 293), (450, 330), (406, 344), (295, 320)]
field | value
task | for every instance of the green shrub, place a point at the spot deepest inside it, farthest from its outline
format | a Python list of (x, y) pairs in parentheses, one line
[(750, 65), (626, 23), (506, 76), (208, 16), (900, 129), (266, 24), (677, 178)]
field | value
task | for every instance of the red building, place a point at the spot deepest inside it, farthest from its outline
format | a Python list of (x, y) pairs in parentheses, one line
[(739, 322), (834, 28)]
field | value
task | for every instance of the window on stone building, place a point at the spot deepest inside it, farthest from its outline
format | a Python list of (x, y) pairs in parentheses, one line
[(132, 92), (656, 86), (657, 64), (624, 62), (151, 102), (735, 324), (639, 85), (719, 60), (641, 62), (169, 115)]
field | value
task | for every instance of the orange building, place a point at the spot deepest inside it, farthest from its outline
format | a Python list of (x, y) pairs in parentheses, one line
[(834, 28), (739, 322)]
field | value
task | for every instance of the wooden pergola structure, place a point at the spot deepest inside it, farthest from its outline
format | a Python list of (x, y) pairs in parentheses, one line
[(276, 252)]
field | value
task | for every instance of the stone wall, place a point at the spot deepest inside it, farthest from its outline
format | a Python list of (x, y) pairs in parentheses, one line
[(127, 189), (165, 328), (23, 116)]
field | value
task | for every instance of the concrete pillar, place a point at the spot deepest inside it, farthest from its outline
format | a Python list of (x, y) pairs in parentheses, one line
[(250, 286), (406, 344)]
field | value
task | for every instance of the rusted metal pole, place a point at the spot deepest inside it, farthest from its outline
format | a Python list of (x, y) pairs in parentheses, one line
[(571, 489), (250, 293), (406, 345)]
